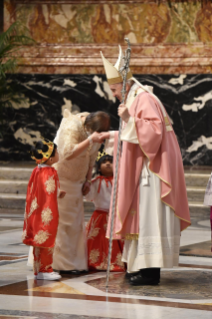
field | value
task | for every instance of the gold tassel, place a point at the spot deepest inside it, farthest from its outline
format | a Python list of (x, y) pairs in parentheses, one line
[(131, 236)]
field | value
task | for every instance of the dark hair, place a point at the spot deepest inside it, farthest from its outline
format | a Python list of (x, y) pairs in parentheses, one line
[(54, 150), (41, 146), (100, 161), (97, 122)]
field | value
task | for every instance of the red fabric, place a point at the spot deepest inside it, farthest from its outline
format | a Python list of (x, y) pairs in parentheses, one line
[(43, 259), (98, 244), (41, 213)]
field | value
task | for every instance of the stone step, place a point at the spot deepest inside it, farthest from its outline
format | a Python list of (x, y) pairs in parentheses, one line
[(11, 213), (13, 205), (198, 208), (24, 173), (196, 179), (18, 214), (89, 207), (15, 173), (20, 187), (17, 201), (13, 186), (14, 180), (195, 194)]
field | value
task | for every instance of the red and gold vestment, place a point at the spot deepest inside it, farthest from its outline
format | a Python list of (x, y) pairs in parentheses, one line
[(41, 212)]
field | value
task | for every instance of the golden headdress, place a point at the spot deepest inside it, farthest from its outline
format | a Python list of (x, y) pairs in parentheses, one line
[(45, 155), (102, 154), (113, 73)]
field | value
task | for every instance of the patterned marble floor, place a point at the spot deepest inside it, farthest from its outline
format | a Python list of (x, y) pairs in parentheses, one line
[(184, 292)]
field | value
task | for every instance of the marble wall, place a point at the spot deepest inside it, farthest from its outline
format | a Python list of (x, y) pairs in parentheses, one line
[(111, 21), (70, 34), (171, 50), (187, 98)]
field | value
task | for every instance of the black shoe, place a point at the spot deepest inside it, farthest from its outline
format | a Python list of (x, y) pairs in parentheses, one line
[(84, 271), (139, 280), (151, 273), (129, 275), (70, 272)]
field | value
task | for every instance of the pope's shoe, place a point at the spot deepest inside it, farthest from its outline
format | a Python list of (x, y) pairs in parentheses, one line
[(129, 275), (48, 276), (140, 280)]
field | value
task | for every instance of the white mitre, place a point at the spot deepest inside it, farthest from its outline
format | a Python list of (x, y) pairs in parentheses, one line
[(113, 73)]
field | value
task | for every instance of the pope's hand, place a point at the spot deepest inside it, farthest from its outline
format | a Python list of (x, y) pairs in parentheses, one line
[(104, 136), (96, 137), (123, 112)]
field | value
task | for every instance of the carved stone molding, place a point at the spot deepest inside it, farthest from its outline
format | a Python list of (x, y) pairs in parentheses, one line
[(103, 1), (84, 1), (193, 58), (90, 50)]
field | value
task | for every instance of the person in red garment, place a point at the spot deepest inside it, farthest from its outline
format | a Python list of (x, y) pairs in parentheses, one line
[(97, 243), (41, 212)]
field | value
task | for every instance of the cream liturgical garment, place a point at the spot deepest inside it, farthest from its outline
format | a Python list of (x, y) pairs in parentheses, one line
[(70, 251), (159, 229)]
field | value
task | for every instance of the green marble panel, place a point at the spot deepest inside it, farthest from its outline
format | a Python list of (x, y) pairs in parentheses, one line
[(183, 17)]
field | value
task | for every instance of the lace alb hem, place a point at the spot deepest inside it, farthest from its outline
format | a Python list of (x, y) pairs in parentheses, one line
[(165, 246), (153, 252)]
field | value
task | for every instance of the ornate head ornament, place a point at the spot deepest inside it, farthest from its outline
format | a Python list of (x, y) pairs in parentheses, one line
[(46, 155), (100, 155), (113, 73)]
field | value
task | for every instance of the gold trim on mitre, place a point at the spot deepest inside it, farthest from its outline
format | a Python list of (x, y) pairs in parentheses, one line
[(119, 79), (113, 71)]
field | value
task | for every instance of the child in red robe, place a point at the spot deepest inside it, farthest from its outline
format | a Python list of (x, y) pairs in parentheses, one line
[(41, 212), (97, 243)]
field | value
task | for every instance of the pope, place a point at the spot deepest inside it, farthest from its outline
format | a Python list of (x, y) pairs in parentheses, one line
[(152, 206)]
